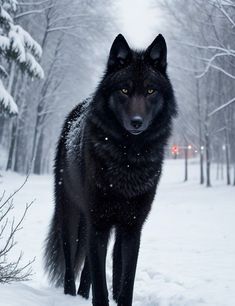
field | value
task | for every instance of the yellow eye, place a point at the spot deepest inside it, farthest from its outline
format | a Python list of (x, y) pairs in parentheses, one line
[(124, 90), (150, 91)]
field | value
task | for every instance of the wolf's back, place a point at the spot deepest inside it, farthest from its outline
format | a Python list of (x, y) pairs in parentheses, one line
[(68, 143)]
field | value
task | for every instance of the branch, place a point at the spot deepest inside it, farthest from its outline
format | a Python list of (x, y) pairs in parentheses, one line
[(221, 107), (14, 228), (60, 28), (33, 12), (209, 64), (12, 270), (33, 3), (12, 195), (68, 17), (220, 7), (228, 51)]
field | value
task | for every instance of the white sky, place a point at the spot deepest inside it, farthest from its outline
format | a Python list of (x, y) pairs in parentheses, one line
[(140, 22)]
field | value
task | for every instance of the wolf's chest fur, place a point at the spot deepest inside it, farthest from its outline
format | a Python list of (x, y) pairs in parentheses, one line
[(124, 168)]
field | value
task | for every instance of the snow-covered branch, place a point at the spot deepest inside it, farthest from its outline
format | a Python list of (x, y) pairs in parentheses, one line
[(7, 103), (18, 48)]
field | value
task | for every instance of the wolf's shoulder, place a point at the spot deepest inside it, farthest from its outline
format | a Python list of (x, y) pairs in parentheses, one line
[(74, 125), (78, 111)]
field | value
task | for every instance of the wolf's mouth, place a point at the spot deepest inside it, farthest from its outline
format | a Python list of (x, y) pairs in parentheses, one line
[(136, 132)]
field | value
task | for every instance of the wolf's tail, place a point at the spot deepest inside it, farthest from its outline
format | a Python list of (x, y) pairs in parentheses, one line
[(54, 262)]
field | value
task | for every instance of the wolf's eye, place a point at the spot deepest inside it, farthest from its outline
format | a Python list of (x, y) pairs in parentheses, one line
[(150, 91), (124, 90)]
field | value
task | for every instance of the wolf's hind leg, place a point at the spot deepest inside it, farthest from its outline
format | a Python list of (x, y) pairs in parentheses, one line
[(69, 234), (85, 280)]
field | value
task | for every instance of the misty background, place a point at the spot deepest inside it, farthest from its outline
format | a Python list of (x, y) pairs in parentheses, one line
[(53, 53)]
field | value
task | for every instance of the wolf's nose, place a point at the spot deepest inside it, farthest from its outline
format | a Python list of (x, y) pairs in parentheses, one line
[(136, 122)]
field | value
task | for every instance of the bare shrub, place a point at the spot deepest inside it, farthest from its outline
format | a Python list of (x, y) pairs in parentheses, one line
[(11, 270)]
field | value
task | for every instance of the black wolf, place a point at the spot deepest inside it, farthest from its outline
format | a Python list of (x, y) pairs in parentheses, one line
[(108, 164)]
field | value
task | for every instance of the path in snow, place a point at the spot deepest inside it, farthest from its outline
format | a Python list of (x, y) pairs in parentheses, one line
[(187, 255)]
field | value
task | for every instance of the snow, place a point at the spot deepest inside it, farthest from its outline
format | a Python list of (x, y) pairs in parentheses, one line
[(30, 43), (17, 42), (23, 41), (187, 255), (15, 39), (4, 15), (4, 43), (10, 5), (3, 71), (25, 47), (6, 101), (33, 66)]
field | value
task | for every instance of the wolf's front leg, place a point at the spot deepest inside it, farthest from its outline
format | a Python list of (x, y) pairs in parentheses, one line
[(98, 240), (130, 251), (85, 280), (117, 264)]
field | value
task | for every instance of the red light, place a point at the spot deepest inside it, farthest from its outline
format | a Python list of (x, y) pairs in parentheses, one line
[(174, 149)]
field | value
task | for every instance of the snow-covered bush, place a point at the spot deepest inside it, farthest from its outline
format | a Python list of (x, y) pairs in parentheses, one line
[(11, 270), (17, 47)]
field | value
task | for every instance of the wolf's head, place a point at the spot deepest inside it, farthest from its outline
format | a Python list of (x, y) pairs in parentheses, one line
[(136, 86)]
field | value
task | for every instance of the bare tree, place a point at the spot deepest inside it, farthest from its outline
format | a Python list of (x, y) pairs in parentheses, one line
[(204, 53)]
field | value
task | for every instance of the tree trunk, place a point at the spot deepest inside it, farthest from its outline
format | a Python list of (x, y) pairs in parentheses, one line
[(208, 161), (201, 165), (234, 175), (200, 132), (222, 170), (11, 77), (35, 139), (38, 155), (2, 125), (217, 170), (10, 160), (227, 157), (186, 163), (20, 149)]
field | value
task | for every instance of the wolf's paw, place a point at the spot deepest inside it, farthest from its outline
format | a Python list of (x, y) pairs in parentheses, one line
[(69, 287), (83, 292)]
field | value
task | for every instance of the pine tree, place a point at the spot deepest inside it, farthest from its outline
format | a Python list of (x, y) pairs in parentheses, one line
[(17, 49)]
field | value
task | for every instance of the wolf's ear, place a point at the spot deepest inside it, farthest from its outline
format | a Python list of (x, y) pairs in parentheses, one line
[(156, 53), (120, 53)]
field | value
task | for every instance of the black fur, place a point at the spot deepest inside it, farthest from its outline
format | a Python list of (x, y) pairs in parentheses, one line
[(108, 164)]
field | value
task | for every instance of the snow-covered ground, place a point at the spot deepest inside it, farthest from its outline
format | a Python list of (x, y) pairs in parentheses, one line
[(187, 255)]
